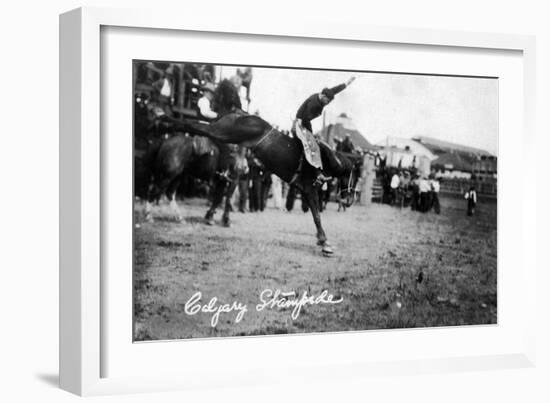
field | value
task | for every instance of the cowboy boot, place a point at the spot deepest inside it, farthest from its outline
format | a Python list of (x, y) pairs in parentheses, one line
[(320, 179)]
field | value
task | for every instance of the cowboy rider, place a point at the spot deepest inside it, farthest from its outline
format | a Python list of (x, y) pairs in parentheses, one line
[(312, 108)]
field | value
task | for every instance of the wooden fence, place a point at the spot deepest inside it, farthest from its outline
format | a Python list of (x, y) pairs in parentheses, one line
[(453, 187)]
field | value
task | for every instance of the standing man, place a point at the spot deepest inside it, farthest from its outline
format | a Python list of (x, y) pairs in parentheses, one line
[(242, 164), (415, 187), (165, 90), (394, 185), (313, 108), (255, 194), (277, 190), (471, 197), (347, 145), (424, 189), (205, 103), (435, 195)]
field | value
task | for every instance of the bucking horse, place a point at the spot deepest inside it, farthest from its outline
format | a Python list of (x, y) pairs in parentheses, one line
[(281, 154)]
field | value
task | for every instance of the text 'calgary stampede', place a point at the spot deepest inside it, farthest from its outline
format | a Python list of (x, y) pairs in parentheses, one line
[(269, 299)]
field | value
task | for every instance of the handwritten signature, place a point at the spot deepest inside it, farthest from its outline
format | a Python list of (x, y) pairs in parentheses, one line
[(269, 299)]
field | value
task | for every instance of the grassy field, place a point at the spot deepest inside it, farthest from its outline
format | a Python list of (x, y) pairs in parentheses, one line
[(392, 268)]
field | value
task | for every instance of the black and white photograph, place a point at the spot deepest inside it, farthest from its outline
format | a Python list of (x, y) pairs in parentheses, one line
[(271, 200)]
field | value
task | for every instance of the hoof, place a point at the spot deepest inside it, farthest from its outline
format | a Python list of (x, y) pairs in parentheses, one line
[(326, 248), (209, 221), (327, 251), (324, 243)]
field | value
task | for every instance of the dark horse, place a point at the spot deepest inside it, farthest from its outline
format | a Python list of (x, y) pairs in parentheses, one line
[(281, 154), (202, 159)]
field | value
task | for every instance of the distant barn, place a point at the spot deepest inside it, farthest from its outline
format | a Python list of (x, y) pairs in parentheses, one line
[(456, 160), (342, 127)]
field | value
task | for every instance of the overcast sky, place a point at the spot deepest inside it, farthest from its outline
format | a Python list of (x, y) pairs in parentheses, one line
[(460, 110)]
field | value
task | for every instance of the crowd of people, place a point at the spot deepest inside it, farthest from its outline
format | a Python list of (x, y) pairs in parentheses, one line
[(408, 188), (259, 189)]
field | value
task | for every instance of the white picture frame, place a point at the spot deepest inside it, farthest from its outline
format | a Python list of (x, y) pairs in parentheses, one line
[(81, 258)]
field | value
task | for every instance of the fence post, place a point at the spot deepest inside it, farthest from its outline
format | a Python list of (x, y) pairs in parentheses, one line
[(367, 180)]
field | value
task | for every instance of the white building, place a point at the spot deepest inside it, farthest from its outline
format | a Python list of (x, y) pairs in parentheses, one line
[(406, 153)]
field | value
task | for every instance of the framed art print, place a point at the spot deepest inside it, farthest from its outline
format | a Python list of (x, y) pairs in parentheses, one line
[(243, 198), (257, 271)]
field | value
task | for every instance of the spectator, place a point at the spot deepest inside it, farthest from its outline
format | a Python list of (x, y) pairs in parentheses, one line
[(471, 197), (246, 79), (435, 185), (165, 90), (337, 143), (290, 198), (208, 73), (266, 187), (394, 185), (256, 177), (415, 187), (243, 179), (424, 189), (382, 162), (347, 145), (405, 187), (277, 190), (205, 102)]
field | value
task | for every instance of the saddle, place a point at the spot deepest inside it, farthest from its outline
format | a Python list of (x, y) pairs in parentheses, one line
[(312, 152)]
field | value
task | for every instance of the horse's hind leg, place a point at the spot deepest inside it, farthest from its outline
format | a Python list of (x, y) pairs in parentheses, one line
[(226, 222), (219, 187)]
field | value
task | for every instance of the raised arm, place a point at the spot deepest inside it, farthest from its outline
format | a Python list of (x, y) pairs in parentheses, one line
[(341, 87)]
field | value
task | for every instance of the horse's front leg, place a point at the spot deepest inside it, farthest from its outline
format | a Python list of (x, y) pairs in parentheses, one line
[(154, 191), (172, 190), (312, 198), (226, 222)]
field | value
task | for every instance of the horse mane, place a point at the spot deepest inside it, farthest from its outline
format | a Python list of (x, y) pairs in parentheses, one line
[(335, 163), (226, 98)]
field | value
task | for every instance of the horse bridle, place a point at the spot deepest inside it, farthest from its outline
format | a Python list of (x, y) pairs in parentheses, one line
[(349, 188)]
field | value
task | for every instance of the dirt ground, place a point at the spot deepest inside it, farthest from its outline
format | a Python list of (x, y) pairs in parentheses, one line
[(392, 268)]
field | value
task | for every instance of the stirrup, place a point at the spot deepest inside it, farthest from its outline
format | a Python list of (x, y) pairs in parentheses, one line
[(321, 179)]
